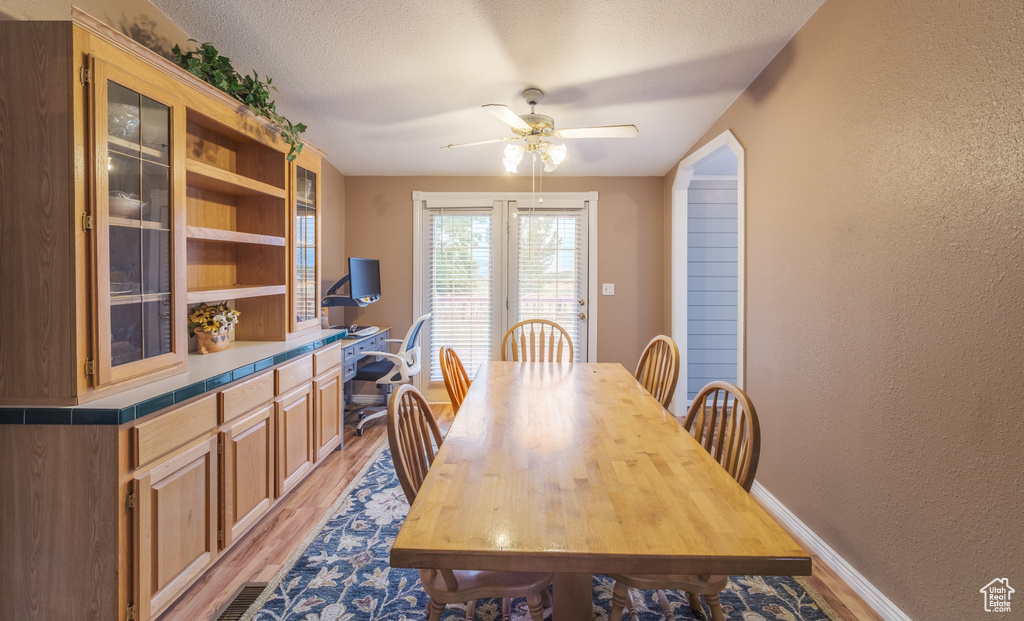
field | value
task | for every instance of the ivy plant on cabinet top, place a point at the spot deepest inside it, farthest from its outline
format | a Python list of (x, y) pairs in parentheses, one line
[(208, 65)]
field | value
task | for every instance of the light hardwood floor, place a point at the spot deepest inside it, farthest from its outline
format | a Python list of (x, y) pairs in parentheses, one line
[(260, 555)]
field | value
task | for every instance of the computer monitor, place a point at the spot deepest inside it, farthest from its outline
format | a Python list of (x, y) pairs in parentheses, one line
[(365, 278)]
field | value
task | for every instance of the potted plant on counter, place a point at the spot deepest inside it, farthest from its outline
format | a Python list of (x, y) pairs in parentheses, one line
[(210, 324)]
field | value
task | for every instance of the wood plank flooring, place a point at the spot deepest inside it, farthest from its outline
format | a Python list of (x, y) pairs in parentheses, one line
[(261, 553)]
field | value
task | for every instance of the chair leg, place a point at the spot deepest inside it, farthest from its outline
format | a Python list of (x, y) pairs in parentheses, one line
[(633, 614), (506, 609), (535, 602), (665, 606), (619, 594), (434, 610), (694, 600), (470, 609), (715, 603)]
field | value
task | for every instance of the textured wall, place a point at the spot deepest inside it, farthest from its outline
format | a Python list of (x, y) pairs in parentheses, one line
[(885, 290), (332, 235), (378, 221)]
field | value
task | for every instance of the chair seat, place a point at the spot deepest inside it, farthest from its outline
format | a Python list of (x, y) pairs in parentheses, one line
[(483, 584), (673, 582), (376, 370)]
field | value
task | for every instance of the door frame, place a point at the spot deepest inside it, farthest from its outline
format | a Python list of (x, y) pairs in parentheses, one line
[(680, 204), (488, 198)]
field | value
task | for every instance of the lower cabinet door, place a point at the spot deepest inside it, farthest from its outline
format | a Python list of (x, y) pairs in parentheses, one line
[(248, 467), (294, 437), (175, 525), (327, 401)]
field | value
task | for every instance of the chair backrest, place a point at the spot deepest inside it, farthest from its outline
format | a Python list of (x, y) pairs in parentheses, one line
[(456, 380), (537, 340), (724, 421), (410, 347), (413, 436), (658, 369)]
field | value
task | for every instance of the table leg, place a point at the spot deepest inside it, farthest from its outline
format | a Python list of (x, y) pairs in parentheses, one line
[(573, 597)]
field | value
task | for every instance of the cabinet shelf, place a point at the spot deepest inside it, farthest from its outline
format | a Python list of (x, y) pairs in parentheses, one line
[(209, 177), (237, 237), (220, 294)]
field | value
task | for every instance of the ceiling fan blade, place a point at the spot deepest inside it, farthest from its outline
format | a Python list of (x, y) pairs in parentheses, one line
[(473, 144), (505, 114), (608, 131)]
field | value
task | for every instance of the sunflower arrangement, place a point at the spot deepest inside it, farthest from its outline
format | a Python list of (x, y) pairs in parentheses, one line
[(207, 318)]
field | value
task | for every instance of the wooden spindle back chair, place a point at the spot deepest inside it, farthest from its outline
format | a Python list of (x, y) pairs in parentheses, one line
[(658, 369), (724, 421), (537, 340), (456, 380)]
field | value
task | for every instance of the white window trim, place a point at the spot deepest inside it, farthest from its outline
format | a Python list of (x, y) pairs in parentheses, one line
[(467, 199), (680, 203)]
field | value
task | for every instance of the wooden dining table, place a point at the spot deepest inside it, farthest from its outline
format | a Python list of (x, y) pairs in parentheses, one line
[(575, 469)]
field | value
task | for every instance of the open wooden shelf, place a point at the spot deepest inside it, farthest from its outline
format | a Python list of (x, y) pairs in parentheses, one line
[(233, 293), (237, 237), (210, 177)]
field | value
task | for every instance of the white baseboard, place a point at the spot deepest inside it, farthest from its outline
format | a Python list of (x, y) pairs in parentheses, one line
[(867, 591)]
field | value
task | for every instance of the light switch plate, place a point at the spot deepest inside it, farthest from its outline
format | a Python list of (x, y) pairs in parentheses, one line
[(608, 288)]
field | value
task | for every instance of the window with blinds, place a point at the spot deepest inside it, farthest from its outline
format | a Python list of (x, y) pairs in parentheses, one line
[(460, 262), (550, 270)]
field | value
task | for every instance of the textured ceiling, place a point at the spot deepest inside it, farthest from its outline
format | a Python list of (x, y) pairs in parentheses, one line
[(383, 84)]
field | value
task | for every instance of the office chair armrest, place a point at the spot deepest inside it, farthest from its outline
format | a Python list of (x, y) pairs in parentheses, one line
[(395, 358), (392, 340)]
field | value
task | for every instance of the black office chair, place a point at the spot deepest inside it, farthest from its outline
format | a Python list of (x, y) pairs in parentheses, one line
[(394, 369)]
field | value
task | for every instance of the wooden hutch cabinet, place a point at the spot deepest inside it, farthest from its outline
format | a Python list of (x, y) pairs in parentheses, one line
[(130, 190)]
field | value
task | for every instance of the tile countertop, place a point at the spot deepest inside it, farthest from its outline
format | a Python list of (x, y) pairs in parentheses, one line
[(205, 373)]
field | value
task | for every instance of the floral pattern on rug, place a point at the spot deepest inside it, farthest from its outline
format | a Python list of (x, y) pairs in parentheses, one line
[(343, 575)]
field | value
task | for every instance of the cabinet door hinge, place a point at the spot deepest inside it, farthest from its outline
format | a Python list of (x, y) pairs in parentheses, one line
[(220, 535), (90, 367), (129, 613), (84, 74), (129, 502), (86, 222)]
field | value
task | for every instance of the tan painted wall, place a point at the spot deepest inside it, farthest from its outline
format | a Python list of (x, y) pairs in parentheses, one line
[(378, 220), (885, 291), (138, 19)]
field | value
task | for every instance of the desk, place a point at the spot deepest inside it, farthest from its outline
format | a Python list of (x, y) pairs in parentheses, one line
[(353, 351), (575, 469)]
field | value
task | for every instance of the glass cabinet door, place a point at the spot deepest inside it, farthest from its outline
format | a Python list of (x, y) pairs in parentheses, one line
[(306, 236), (135, 256)]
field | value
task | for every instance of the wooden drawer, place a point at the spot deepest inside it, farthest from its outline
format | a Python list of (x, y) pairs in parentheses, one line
[(326, 359), (173, 430), (348, 371), (294, 374), (244, 397)]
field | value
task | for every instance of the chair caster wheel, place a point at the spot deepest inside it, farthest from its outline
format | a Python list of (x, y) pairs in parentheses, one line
[(362, 415), (359, 432)]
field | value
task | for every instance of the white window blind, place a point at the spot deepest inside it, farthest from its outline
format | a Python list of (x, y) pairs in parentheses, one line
[(460, 269), (550, 270)]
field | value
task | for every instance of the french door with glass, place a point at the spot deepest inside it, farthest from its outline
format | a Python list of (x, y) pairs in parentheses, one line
[(489, 261)]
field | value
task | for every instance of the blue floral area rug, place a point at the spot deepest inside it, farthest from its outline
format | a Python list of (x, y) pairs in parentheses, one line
[(343, 574)]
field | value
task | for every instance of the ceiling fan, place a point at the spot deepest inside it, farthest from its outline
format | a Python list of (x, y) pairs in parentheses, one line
[(535, 130)]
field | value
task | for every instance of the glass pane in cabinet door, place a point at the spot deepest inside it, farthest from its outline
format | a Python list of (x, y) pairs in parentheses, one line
[(139, 181), (156, 322), (125, 331), (305, 242)]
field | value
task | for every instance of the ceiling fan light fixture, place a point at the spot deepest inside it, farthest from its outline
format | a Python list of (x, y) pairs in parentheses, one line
[(513, 155)]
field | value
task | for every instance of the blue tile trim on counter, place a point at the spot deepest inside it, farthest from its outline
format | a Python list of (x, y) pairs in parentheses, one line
[(85, 415), (47, 416), (186, 393), (12, 416)]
